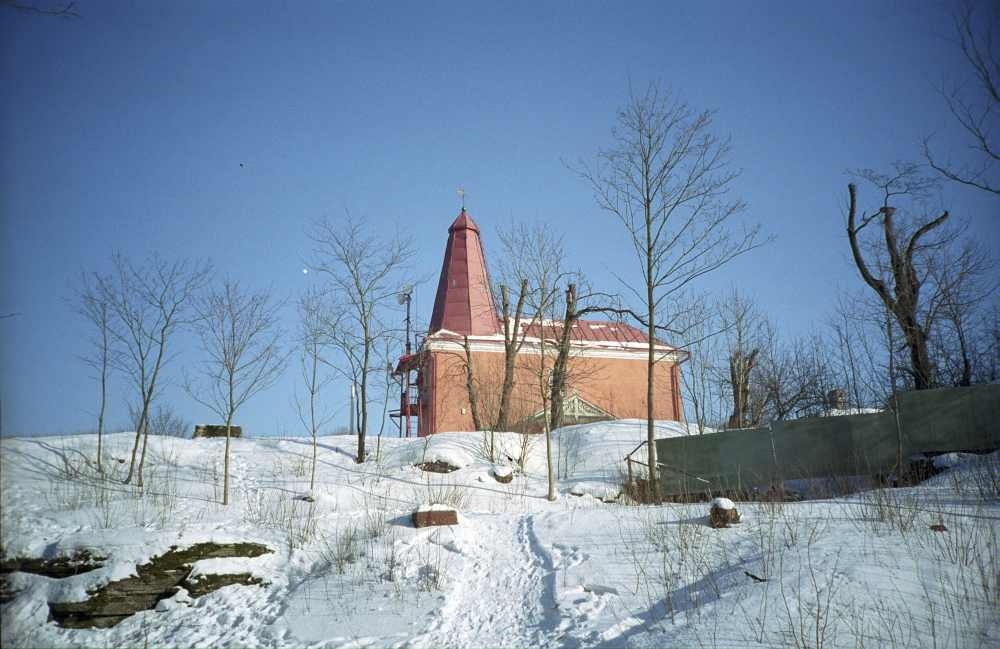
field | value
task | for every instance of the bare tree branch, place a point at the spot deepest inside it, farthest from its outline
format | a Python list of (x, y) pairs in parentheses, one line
[(240, 334), (977, 115), (363, 272), (904, 251), (67, 11), (667, 180), (149, 304)]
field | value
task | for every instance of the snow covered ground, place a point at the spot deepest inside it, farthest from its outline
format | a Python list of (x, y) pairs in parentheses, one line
[(350, 570)]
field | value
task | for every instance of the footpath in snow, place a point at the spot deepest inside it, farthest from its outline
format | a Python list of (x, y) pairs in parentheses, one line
[(912, 567)]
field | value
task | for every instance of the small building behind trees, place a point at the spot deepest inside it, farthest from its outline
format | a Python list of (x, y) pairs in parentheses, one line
[(606, 377), (214, 430)]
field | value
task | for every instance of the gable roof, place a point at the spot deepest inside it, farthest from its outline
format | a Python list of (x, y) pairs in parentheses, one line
[(588, 331)]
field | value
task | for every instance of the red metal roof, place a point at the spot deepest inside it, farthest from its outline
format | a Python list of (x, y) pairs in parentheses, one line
[(464, 301), (591, 331), (463, 222)]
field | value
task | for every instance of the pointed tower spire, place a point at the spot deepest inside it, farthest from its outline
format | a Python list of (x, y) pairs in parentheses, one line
[(464, 301)]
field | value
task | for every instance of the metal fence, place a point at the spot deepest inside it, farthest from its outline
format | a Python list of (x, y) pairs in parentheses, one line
[(926, 421)]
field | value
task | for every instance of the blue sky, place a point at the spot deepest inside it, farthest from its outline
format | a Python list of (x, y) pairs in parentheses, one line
[(125, 129)]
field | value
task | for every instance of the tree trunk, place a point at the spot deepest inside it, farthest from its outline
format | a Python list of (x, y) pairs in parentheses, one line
[(549, 466), (740, 367), (895, 396), (546, 429), (142, 457), (511, 347), (225, 461), (559, 367), (470, 385), (363, 399), (558, 385), (312, 415), (104, 402), (920, 362), (965, 379), (138, 436), (903, 301), (654, 491), (147, 400)]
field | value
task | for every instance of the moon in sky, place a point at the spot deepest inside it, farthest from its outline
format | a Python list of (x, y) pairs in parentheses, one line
[(305, 271)]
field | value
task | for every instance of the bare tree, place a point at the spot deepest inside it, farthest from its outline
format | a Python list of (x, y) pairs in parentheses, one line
[(576, 305), (963, 281), (560, 368), (95, 308), (513, 340), (700, 380), (312, 357), (745, 331), (976, 115), (667, 179), (470, 384), (990, 372), (898, 283), (388, 344), (164, 420), (857, 350), (67, 10), (363, 272), (535, 255), (792, 377), (149, 304), (240, 336)]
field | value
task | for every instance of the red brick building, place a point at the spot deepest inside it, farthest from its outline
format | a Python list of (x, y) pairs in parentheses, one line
[(607, 368)]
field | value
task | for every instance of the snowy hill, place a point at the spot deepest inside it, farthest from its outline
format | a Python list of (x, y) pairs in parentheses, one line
[(349, 570)]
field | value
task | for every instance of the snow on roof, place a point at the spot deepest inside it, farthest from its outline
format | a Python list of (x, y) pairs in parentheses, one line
[(587, 331), (844, 412)]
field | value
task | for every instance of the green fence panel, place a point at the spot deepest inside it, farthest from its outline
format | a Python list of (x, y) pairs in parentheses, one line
[(952, 419)]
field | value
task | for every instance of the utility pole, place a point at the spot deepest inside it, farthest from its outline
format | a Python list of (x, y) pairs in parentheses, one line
[(404, 297)]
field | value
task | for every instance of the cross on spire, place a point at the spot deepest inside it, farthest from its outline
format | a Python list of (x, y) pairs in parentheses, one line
[(461, 195)]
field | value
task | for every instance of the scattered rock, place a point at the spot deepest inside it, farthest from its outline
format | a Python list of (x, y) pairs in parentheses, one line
[(154, 581), (722, 513), (951, 460), (56, 567), (437, 466), (205, 584), (639, 491), (179, 599), (600, 491), (428, 515), (503, 474), (597, 589), (7, 592), (939, 527)]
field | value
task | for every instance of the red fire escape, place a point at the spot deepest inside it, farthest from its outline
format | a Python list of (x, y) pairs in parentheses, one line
[(408, 373)]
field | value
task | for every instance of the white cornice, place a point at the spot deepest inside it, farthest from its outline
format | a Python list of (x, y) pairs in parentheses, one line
[(623, 351)]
